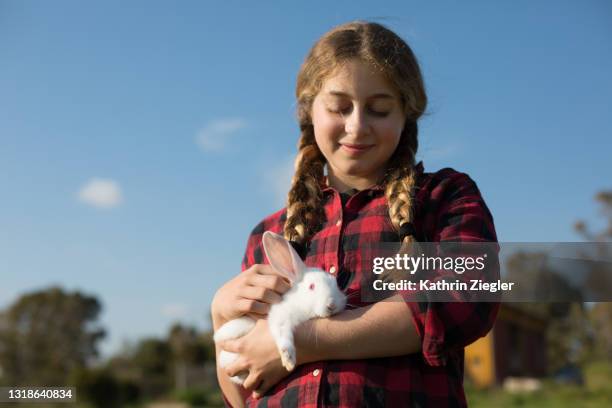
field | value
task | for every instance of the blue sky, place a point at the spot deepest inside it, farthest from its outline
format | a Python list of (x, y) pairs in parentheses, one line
[(140, 142)]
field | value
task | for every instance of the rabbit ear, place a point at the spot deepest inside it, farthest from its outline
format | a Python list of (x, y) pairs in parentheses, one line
[(282, 256)]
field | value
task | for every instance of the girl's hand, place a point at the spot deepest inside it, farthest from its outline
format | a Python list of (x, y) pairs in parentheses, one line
[(259, 356), (252, 292)]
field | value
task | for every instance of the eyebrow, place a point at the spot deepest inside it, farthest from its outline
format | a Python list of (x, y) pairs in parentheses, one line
[(378, 95)]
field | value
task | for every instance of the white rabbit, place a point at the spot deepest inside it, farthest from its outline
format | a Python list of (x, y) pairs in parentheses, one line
[(313, 293)]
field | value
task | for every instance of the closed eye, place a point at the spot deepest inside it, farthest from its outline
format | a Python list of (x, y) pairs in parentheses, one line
[(379, 114), (344, 111), (347, 111)]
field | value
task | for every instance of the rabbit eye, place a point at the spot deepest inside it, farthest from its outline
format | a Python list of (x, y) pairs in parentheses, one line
[(311, 287)]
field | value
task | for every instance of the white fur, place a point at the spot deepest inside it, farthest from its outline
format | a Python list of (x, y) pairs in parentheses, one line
[(232, 330), (313, 293)]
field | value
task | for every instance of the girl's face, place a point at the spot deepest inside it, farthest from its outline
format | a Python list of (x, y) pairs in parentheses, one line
[(358, 120)]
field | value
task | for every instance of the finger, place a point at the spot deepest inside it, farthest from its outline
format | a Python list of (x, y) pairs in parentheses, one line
[(232, 346), (264, 269), (236, 367), (252, 382), (260, 390), (252, 306), (261, 294), (276, 283), (256, 316), (261, 269)]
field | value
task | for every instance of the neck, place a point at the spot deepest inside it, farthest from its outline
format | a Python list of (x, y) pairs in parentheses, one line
[(347, 182)]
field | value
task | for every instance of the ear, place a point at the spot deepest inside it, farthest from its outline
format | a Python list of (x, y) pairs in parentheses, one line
[(283, 257)]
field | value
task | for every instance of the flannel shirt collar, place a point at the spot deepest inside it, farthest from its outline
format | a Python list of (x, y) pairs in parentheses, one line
[(378, 187)]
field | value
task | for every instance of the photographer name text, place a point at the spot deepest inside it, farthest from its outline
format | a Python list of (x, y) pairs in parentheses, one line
[(443, 285)]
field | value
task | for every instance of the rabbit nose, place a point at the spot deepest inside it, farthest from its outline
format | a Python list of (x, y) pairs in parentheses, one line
[(331, 306)]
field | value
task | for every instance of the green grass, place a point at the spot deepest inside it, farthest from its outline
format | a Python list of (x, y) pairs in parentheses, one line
[(557, 396), (597, 392)]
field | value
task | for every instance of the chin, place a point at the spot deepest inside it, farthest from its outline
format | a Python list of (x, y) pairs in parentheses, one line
[(357, 171)]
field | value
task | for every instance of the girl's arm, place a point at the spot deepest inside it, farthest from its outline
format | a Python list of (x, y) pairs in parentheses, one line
[(383, 329)]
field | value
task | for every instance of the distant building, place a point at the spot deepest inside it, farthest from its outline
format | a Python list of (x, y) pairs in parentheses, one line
[(515, 347)]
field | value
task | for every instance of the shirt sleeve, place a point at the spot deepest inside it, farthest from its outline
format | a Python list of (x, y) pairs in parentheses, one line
[(462, 216), (253, 253)]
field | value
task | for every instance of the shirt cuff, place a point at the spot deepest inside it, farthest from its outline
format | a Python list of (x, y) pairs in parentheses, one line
[(431, 331)]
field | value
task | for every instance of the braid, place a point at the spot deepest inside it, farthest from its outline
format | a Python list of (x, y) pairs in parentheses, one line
[(305, 212), (400, 179)]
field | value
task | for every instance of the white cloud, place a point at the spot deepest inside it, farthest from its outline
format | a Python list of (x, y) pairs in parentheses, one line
[(214, 136), (101, 193), (174, 310), (277, 178)]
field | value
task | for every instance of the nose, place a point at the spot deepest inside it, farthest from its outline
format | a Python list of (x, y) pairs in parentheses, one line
[(356, 123), (331, 306)]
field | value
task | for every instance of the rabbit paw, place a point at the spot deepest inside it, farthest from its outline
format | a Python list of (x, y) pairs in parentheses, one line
[(287, 353), (239, 379)]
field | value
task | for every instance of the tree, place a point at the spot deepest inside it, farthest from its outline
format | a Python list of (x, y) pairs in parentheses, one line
[(600, 315), (47, 334), (152, 362), (159, 365), (101, 388), (189, 348), (605, 235), (601, 320)]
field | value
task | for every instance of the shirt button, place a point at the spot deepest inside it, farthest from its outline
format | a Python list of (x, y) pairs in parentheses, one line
[(332, 270), (316, 372), (338, 223)]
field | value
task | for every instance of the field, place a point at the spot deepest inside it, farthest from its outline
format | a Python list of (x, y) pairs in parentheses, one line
[(597, 392)]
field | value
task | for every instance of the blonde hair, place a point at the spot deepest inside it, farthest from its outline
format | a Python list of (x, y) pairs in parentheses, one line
[(374, 44)]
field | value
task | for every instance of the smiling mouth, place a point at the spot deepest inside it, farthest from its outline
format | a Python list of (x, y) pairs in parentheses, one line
[(356, 148)]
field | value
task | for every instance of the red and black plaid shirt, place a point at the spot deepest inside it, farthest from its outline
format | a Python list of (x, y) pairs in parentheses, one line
[(448, 207)]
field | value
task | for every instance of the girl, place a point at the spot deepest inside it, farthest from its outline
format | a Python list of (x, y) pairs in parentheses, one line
[(360, 94)]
